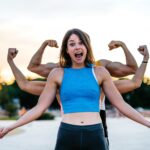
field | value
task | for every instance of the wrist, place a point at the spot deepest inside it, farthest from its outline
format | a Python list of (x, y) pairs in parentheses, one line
[(9, 60), (123, 45), (145, 61), (45, 43)]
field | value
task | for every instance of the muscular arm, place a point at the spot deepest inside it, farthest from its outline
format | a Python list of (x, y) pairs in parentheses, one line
[(128, 85), (33, 87), (116, 99), (118, 69), (35, 63)]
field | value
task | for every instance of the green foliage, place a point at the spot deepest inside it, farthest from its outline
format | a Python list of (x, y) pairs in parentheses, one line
[(46, 116), (11, 109), (9, 118), (139, 97), (9, 92), (6, 100)]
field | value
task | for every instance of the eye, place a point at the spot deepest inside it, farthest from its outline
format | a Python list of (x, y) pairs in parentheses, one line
[(80, 43), (72, 44)]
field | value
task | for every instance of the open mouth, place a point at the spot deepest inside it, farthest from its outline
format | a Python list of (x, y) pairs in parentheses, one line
[(79, 55)]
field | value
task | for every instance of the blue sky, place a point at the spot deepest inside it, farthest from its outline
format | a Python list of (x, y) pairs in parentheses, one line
[(25, 24)]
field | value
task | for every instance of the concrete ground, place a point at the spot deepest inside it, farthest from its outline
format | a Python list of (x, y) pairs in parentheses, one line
[(41, 135)]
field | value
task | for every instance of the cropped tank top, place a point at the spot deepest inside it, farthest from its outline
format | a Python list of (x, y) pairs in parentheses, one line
[(79, 91)]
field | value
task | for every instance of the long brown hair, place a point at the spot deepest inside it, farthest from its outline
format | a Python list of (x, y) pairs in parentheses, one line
[(64, 59)]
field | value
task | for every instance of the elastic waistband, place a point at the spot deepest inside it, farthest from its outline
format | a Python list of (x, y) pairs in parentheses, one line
[(81, 127)]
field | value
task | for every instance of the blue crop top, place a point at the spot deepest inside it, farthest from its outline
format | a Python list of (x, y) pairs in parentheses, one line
[(79, 91)]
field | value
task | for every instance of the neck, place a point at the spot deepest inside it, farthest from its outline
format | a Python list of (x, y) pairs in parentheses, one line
[(78, 65)]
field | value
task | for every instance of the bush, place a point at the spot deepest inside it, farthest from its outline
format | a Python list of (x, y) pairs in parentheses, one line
[(46, 116), (12, 109)]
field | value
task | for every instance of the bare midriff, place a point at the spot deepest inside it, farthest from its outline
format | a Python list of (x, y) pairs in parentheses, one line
[(83, 118)]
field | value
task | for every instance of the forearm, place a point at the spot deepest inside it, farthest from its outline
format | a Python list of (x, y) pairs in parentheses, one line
[(116, 100), (128, 85), (20, 78), (28, 117), (131, 113), (138, 77), (37, 57), (130, 60)]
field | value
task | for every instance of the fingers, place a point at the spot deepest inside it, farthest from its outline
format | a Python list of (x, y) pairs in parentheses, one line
[(143, 50), (52, 43), (3, 132), (113, 45), (12, 52), (142, 47)]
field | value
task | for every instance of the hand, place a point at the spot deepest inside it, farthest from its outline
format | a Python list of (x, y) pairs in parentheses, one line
[(52, 43), (12, 52), (144, 51), (114, 44), (3, 132)]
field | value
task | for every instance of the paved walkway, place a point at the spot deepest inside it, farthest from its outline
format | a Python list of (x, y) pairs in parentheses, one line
[(41, 135)]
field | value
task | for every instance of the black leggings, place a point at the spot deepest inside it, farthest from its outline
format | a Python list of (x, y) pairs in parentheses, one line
[(103, 117), (75, 137)]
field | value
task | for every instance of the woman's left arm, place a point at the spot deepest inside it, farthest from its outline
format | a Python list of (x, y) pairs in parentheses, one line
[(116, 99)]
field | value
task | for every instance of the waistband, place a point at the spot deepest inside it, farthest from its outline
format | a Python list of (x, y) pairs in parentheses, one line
[(81, 127)]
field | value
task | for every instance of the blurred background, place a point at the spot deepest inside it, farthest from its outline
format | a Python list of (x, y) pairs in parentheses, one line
[(26, 24)]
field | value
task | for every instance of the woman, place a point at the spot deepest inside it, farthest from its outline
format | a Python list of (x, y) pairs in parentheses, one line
[(79, 84)]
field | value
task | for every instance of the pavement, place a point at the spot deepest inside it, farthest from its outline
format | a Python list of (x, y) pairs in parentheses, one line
[(124, 134)]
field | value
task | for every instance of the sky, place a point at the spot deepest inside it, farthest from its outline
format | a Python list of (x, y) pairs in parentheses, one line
[(25, 24)]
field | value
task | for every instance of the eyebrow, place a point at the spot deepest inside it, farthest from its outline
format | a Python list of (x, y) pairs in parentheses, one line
[(70, 40), (74, 40)]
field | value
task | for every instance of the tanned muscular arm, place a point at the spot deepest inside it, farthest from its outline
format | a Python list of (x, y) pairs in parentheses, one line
[(131, 84), (127, 85), (33, 87), (35, 63), (117, 69)]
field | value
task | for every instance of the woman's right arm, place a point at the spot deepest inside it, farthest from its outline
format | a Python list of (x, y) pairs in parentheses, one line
[(45, 100)]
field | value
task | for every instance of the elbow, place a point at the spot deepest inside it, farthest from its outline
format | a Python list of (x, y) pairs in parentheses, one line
[(24, 86), (137, 83), (133, 69), (30, 68)]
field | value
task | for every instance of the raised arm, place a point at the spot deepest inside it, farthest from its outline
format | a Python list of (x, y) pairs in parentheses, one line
[(44, 102), (128, 85), (33, 87), (35, 63), (116, 99), (118, 69)]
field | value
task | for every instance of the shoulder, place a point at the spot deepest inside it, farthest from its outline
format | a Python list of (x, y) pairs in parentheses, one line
[(100, 69), (101, 73), (52, 65), (56, 75), (104, 62)]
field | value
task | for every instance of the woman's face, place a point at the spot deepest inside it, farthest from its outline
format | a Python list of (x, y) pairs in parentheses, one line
[(76, 50)]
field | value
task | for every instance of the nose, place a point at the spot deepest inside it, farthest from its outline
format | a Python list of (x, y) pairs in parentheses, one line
[(78, 46)]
